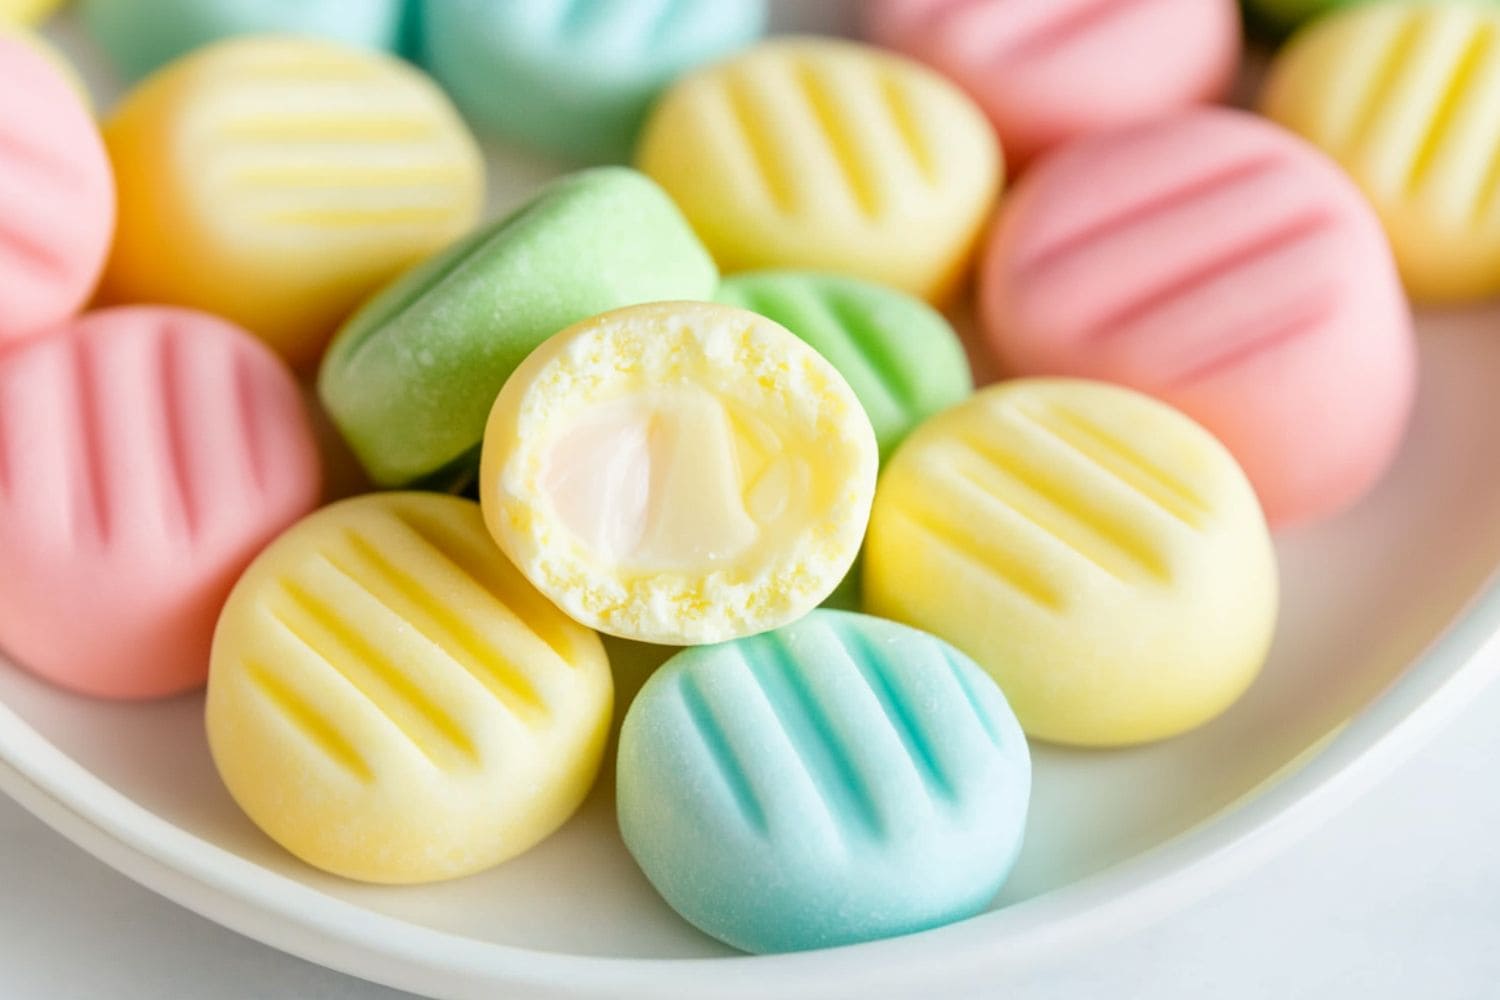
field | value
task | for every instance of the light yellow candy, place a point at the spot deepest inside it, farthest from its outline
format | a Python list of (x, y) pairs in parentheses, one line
[(1404, 96), (679, 473), (390, 701), (831, 156), (278, 181), (1097, 552), (26, 12)]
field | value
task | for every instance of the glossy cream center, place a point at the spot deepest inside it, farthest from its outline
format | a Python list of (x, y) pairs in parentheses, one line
[(670, 479)]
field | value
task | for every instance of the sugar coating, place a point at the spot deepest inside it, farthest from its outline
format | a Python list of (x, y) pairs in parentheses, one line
[(146, 455), (575, 77), (278, 181), (828, 155), (1217, 262), (411, 377), (57, 199), (1402, 95), (836, 780), (141, 35), (1098, 553), (390, 701), (796, 437), (900, 355), (1046, 71)]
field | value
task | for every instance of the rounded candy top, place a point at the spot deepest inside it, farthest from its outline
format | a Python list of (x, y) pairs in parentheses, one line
[(1218, 263), (1046, 71), (391, 701), (828, 155), (1403, 94), (277, 181), (146, 455), (1097, 552), (836, 780)]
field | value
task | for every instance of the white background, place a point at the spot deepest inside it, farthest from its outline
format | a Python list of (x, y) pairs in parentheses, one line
[(1399, 897)]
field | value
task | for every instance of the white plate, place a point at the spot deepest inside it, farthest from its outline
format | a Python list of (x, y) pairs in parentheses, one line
[(1385, 611)]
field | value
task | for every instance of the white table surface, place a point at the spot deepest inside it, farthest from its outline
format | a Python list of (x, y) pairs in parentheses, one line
[(1398, 897)]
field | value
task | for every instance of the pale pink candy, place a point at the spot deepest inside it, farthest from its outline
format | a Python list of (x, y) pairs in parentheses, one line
[(1223, 265), (146, 456), (1046, 71), (57, 195)]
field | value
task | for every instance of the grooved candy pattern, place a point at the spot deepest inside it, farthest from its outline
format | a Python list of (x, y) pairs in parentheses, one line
[(841, 753), (447, 715), (827, 155), (147, 454), (1100, 555), (1212, 260), (278, 181), (1403, 96)]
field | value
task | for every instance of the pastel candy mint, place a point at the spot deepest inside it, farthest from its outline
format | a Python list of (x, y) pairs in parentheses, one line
[(411, 377), (838, 780), (900, 355)]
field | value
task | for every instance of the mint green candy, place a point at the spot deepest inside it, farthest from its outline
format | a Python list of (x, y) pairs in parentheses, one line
[(411, 377), (575, 77), (897, 353), (841, 779), (140, 35)]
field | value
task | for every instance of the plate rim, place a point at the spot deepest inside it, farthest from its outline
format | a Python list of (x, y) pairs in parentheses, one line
[(286, 914)]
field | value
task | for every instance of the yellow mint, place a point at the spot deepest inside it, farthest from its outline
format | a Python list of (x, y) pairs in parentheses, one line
[(278, 181), (828, 155), (679, 472), (1097, 552), (391, 701), (1402, 93)]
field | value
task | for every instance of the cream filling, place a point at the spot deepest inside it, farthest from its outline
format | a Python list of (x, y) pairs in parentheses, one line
[(672, 479)]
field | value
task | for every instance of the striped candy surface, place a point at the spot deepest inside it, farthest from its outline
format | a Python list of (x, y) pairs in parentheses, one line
[(1218, 263), (146, 455), (278, 181), (1098, 553), (391, 701), (827, 155), (838, 779), (1403, 94)]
